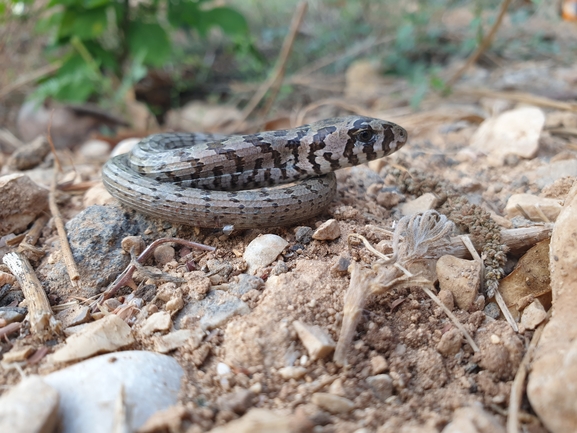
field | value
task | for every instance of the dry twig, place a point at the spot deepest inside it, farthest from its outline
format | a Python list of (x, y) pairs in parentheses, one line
[(125, 277), (275, 80), (518, 387), (486, 43), (40, 316)]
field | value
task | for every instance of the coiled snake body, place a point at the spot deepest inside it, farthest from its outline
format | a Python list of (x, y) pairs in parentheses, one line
[(267, 179)]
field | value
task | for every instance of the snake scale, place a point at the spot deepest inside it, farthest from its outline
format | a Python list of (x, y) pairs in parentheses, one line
[(271, 178)]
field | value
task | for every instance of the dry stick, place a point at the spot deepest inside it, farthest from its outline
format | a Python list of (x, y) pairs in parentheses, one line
[(278, 73), (32, 236), (9, 329), (353, 51), (25, 79), (518, 386), (64, 245), (69, 262), (40, 316), (486, 43), (527, 98)]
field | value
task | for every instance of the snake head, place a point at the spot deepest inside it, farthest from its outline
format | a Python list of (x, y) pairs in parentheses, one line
[(374, 138)]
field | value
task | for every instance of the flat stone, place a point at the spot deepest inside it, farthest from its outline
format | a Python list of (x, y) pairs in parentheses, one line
[(316, 340), (327, 231), (18, 355), (105, 335), (29, 407), (259, 421), (332, 403), (89, 391), (533, 206), (473, 419), (262, 251), (381, 385), (423, 203), (379, 364), (549, 173), (21, 201), (460, 277), (215, 310), (160, 321), (533, 315), (189, 337), (450, 342), (292, 372), (514, 132)]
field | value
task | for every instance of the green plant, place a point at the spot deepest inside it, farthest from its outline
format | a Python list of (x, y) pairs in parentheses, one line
[(106, 46)]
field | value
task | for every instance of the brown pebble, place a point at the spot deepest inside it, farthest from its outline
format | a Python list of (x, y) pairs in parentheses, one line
[(133, 243), (450, 343), (164, 254), (327, 231)]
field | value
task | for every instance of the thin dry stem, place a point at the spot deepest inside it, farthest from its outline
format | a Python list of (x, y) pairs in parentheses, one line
[(279, 70), (486, 43), (518, 387), (40, 316), (69, 262)]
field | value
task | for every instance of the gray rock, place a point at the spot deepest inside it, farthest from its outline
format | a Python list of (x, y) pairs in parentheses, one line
[(214, 310), (95, 237), (89, 390)]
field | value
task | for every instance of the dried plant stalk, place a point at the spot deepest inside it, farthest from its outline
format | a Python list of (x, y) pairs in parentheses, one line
[(40, 316)]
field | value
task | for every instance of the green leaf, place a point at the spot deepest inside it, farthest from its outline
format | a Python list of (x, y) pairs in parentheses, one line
[(85, 24), (183, 13), (150, 39), (229, 20), (65, 3), (91, 4)]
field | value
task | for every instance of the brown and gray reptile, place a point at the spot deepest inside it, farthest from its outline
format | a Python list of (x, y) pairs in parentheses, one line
[(271, 178)]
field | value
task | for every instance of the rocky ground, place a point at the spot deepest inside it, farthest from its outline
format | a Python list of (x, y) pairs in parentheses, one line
[(242, 337)]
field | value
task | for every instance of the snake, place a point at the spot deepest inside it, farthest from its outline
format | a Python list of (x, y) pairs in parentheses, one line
[(271, 178)]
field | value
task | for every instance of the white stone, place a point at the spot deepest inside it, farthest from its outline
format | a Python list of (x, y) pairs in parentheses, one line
[(29, 407), (95, 150), (332, 403), (124, 146), (315, 339), (514, 132), (262, 251), (533, 315), (460, 277), (222, 369), (327, 231), (292, 372), (189, 337), (160, 321), (90, 390), (534, 207), (105, 335), (423, 203)]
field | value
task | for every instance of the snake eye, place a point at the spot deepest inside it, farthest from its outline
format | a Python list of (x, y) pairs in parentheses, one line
[(365, 136)]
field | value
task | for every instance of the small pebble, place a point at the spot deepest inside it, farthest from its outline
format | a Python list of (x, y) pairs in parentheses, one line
[(332, 403), (303, 234), (222, 369), (316, 340), (492, 310), (327, 231), (533, 315), (460, 277), (262, 251), (450, 343), (534, 207), (381, 385), (292, 372), (379, 364), (446, 297), (423, 203), (160, 321), (389, 199), (133, 243), (341, 267), (238, 402), (164, 254)]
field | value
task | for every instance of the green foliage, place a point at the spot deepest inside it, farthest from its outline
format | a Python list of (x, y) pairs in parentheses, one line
[(106, 46)]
